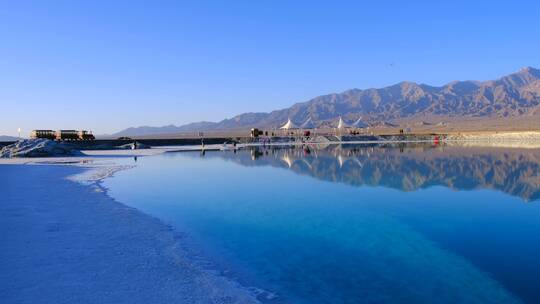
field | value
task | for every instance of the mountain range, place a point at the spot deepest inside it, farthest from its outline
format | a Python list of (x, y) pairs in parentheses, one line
[(8, 138), (514, 95), (512, 171)]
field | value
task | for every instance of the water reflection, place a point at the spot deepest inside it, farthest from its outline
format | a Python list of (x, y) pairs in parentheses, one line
[(406, 167), (265, 221)]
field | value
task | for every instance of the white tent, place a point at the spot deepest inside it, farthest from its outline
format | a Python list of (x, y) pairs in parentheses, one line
[(359, 123), (289, 125), (341, 124), (308, 124)]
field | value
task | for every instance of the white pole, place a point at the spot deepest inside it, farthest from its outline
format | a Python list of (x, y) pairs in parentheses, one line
[(19, 130)]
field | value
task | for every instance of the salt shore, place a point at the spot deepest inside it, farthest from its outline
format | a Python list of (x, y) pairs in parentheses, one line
[(68, 242)]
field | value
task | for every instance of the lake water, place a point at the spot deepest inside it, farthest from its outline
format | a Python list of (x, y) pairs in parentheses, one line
[(355, 224)]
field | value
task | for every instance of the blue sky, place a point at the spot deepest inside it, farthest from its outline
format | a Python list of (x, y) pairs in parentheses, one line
[(109, 65)]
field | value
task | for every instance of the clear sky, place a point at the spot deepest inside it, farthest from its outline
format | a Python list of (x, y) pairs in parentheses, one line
[(109, 65)]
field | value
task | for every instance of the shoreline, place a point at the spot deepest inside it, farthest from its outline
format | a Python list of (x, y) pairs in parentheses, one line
[(67, 241), (528, 140)]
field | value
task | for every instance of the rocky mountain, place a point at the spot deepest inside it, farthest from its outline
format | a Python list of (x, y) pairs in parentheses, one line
[(407, 168), (170, 129), (515, 95), (147, 130), (8, 138)]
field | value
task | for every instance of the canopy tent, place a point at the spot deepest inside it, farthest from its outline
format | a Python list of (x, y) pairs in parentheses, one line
[(289, 125), (341, 124), (308, 124), (359, 123)]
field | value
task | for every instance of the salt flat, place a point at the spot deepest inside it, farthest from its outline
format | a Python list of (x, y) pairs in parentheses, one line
[(65, 242), (90, 156)]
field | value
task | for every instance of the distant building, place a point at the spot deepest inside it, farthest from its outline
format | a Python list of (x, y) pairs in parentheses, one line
[(48, 134), (62, 134), (256, 132), (67, 135), (86, 135)]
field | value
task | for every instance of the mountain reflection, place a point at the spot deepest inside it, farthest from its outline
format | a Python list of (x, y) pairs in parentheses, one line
[(406, 167)]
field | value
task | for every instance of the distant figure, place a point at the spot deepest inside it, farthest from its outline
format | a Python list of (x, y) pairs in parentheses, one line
[(135, 158)]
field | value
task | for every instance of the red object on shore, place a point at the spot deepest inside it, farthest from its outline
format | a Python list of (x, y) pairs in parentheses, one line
[(436, 139)]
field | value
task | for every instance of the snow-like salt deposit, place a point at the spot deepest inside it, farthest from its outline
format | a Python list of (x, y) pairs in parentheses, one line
[(38, 148), (66, 243), (133, 146)]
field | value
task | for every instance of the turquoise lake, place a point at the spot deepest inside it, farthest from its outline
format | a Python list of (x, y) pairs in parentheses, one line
[(354, 223)]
